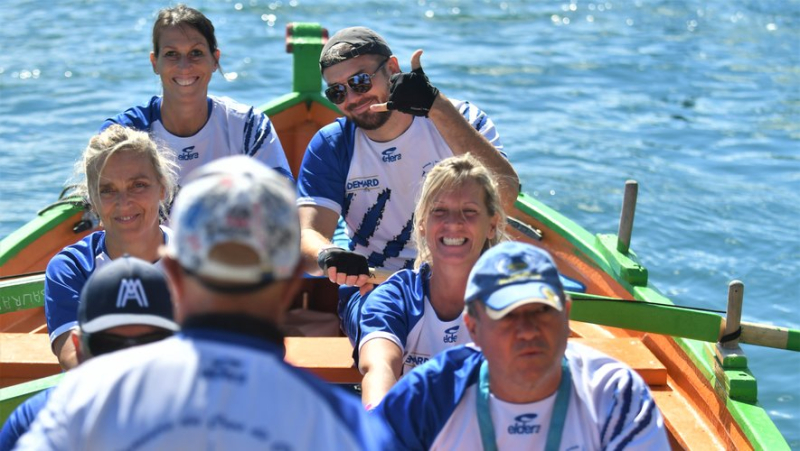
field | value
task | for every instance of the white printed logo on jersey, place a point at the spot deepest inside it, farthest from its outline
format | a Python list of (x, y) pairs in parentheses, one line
[(131, 289)]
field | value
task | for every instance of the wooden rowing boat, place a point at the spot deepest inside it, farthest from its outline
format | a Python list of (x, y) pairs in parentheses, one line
[(704, 389)]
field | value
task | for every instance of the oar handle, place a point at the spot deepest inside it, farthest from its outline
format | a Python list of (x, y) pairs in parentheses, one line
[(675, 321), (770, 336)]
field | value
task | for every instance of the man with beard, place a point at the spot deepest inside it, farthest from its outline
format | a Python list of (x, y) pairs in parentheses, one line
[(368, 166)]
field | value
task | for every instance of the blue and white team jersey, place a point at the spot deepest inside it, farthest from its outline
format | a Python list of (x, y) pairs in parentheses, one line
[(203, 389), (610, 407), (375, 185), (400, 310), (66, 275), (232, 129), (21, 419)]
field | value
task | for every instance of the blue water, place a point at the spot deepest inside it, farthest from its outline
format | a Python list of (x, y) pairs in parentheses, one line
[(697, 100)]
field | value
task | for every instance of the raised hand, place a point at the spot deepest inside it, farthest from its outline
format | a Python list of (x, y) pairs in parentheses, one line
[(410, 92)]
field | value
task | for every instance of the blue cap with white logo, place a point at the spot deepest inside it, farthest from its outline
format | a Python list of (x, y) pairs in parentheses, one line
[(127, 291), (512, 274)]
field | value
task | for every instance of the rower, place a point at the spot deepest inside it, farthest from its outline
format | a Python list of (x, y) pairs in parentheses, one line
[(520, 385), (368, 166)]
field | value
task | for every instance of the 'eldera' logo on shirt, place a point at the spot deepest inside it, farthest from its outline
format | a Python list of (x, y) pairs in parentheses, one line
[(131, 289), (451, 335), (187, 154), (524, 425), (389, 155)]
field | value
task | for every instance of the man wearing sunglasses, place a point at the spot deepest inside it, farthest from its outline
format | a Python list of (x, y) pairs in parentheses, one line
[(221, 383), (123, 304), (368, 166)]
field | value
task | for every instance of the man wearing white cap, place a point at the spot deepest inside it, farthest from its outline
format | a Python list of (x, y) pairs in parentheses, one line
[(123, 304), (521, 385), (220, 383)]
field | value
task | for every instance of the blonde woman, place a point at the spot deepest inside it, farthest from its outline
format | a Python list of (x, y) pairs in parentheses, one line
[(129, 181), (417, 313)]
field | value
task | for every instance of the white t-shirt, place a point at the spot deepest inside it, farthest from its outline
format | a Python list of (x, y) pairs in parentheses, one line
[(203, 389), (375, 185), (232, 129), (610, 407)]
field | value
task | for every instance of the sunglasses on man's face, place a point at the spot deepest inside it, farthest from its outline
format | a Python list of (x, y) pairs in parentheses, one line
[(359, 83), (103, 343)]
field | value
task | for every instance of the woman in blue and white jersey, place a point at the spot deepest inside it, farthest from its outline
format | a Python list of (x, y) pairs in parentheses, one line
[(129, 180), (417, 313), (198, 127)]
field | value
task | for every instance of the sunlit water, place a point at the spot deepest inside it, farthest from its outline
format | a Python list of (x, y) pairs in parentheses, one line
[(697, 100)]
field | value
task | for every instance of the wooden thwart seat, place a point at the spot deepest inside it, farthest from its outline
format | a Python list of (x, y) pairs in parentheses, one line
[(24, 357), (28, 356), (331, 357)]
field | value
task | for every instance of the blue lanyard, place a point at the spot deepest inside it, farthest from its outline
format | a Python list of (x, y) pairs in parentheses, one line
[(557, 421)]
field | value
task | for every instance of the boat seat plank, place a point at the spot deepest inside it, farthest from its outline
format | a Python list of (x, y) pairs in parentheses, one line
[(24, 357), (634, 353), (28, 356), (330, 358)]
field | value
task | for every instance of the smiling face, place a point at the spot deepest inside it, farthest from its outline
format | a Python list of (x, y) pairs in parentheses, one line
[(524, 348), (129, 196), (356, 105), (458, 226), (184, 61)]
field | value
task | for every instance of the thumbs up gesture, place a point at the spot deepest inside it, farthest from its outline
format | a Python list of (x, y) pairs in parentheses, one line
[(410, 92)]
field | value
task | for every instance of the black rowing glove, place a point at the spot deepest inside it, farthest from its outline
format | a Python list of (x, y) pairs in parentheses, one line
[(411, 93), (345, 262)]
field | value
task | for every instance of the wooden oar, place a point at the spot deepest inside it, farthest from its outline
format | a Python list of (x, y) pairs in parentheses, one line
[(675, 321)]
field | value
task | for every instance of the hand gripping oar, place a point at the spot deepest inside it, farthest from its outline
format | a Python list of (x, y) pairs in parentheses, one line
[(674, 320)]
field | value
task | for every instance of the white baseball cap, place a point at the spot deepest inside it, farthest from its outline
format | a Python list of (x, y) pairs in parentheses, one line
[(236, 200)]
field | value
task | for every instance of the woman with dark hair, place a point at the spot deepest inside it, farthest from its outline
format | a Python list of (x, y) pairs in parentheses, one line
[(197, 126)]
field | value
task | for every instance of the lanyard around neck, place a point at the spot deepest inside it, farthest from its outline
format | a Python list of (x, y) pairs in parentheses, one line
[(557, 421)]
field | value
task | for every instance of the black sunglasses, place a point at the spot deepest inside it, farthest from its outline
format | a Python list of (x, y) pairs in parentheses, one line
[(359, 83), (103, 343)]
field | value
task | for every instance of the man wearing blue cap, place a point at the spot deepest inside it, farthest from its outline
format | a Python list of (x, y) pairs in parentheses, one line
[(123, 304), (520, 385)]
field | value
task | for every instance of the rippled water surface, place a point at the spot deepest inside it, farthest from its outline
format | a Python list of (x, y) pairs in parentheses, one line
[(697, 100)]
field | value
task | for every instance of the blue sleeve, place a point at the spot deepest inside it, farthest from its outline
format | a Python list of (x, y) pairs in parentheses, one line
[(483, 124), (419, 405), (65, 276), (393, 308), (633, 420), (261, 141), (326, 163), (138, 117), (21, 419)]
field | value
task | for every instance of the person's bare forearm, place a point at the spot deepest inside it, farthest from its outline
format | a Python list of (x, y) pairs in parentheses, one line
[(311, 242), (375, 384), (462, 137)]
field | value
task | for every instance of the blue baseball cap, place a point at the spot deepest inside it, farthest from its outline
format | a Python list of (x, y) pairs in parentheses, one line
[(127, 291), (512, 274)]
